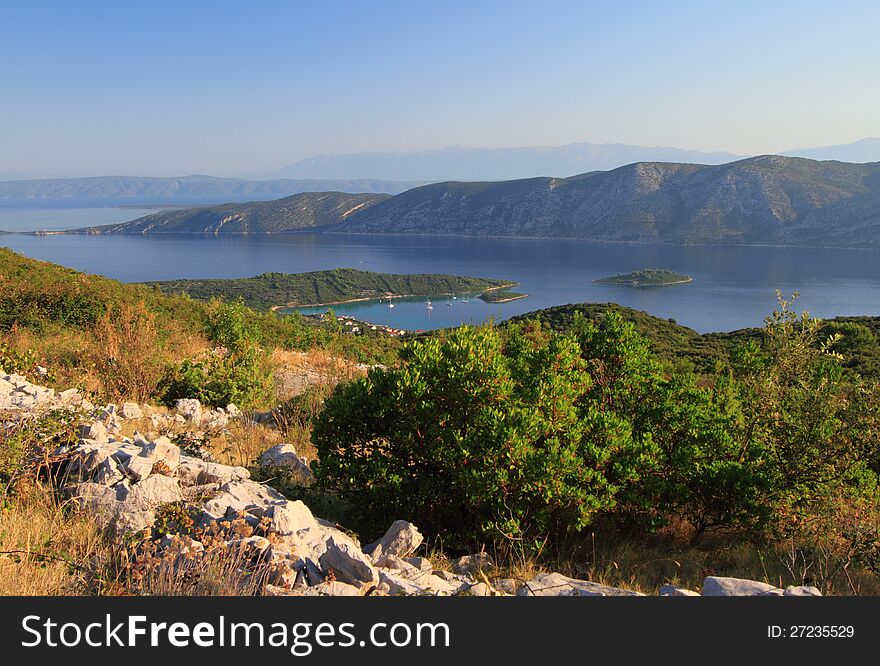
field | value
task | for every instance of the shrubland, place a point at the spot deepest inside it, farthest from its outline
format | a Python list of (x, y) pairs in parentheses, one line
[(588, 439)]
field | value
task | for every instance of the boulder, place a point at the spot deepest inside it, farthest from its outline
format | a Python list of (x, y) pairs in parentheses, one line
[(673, 591), (557, 585), (131, 410), (152, 492), (292, 517), (241, 497), (722, 586), (401, 540), (506, 585), (233, 411), (336, 589), (802, 591), (190, 409), (472, 564), (96, 431), (162, 450), (347, 562), (283, 457)]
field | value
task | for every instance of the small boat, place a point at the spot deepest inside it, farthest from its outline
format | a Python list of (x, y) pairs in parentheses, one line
[(428, 306), (390, 304)]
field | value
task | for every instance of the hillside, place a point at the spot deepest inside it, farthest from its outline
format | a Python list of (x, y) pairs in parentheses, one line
[(325, 287), (768, 199), (300, 211), (185, 190), (684, 347)]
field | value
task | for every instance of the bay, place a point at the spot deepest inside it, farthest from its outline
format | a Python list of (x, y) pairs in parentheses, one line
[(733, 286)]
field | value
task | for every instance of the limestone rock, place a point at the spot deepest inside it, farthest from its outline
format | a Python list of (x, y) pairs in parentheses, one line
[(401, 540), (347, 562), (283, 457), (131, 410), (472, 564), (291, 517), (721, 586), (802, 591), (673, 591), (557, 585), (190, 409)]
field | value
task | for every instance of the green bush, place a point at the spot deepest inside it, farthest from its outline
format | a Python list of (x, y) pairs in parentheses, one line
[(486, 439), (244, 378)]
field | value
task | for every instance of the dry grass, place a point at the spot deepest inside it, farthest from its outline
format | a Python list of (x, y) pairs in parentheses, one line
[(243, 444), (297, 371), (43, 551)]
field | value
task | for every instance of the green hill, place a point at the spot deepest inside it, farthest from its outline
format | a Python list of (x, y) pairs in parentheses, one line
[(326, 287)]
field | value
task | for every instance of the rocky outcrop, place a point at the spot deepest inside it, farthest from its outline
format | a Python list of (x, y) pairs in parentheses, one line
[(125, 484)]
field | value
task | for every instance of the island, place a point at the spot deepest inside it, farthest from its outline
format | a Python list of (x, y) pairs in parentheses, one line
[(277, 291), (501, 296), (647, 277)]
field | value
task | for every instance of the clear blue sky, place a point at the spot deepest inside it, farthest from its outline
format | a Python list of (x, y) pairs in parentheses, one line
[(168, 88)]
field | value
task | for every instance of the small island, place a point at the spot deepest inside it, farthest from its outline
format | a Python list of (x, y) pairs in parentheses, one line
[(648, 277), (501, 296)]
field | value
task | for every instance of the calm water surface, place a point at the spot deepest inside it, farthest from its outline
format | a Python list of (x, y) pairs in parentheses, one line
[(733, 287)]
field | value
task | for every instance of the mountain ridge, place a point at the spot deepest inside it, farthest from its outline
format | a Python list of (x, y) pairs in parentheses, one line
[(768, 199)]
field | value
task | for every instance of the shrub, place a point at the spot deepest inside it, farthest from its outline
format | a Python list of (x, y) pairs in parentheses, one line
[(244, 378), (128, 354), (487, 439)]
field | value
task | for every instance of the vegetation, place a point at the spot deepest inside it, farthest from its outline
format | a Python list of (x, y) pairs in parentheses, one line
[(647, 277), (128, 341), (326, 287), (501, 296), (300, 211), (526, 437)]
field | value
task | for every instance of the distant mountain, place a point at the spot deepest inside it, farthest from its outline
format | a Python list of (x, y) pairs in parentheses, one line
[(767, 199), (458, 163), (187, 190), (866, 150), (300, 211)]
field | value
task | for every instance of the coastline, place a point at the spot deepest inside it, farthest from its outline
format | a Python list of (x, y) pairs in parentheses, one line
[(364, 299)]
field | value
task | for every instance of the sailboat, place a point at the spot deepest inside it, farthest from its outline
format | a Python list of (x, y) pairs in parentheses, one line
[(428, 306), (390, 304)]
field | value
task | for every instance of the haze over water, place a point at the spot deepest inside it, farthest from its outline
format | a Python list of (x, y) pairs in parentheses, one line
[(733, 286)]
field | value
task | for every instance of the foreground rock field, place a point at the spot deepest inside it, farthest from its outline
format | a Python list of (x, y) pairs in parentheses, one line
[(128, 482)]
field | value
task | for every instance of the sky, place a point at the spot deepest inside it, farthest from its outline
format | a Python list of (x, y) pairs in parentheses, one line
[(241, 88)]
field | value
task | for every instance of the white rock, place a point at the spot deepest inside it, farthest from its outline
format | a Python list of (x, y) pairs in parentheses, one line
[(402, 539), (348, 563), (802, 591), (153, 492), (722, 586), (472, 564), (557, 585), (284, 457), (131, 410), (189, 408), (673, 591), (233, 411), (291, 517)]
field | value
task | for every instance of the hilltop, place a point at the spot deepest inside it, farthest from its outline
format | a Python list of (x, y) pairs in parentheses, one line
[(269, 290), (300, 211), (762, 200)]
